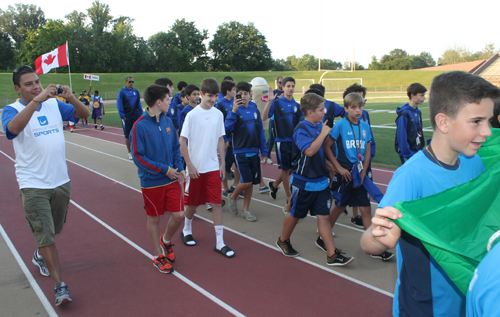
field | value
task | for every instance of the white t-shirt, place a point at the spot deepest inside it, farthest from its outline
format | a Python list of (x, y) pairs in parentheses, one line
[(40, 147), (203, 128)]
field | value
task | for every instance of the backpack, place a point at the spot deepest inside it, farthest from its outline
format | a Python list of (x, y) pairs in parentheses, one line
[(407, 115)]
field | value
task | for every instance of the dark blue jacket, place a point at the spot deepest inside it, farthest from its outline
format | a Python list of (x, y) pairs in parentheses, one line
[(408, 126), (247, 129), (128, 103)]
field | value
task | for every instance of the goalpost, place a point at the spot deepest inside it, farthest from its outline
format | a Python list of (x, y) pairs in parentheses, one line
[(302, 85), (340, 84)]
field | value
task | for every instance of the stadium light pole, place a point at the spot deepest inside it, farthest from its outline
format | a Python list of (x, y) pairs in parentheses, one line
[(319, 58), (353, 66)]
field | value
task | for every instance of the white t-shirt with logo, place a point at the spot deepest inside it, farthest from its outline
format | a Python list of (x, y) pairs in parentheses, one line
[(40, 148), (203, 128)]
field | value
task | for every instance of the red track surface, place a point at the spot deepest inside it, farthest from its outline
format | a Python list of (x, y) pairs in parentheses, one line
[(109, 277)]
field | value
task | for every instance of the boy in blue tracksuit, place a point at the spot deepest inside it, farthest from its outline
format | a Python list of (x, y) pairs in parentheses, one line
[(156, 152), (175, 110), (192, 95), (248, 139), (310, 185), (287, 115), (409, 129)]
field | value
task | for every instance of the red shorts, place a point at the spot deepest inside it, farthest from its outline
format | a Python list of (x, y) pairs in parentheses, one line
[(157, 200), (204, 189)]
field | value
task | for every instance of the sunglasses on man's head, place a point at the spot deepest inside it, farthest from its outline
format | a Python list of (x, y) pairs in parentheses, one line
[(279, 82), (20, 68), (130, 81)]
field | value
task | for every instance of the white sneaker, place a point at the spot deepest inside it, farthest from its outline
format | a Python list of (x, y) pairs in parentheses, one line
[(248, 216), (129, 156)]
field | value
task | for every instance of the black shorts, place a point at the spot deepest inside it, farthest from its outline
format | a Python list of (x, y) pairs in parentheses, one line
[(346, 195), (249, 167), (284, 153), (318, 203), (129, 124), (229, 158)]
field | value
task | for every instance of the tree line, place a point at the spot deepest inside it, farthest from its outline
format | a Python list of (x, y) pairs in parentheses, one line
[(101, 43)]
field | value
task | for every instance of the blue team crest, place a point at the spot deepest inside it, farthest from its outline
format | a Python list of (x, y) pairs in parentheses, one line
[(329, 203), (364, 134), (43, 120), (295, 109), (168, 130), (172, 111), (255, 115), (324, 110)]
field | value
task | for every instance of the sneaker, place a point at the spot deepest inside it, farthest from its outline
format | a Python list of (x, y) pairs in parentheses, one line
[(71, 130), (226, 193), (338, 259), (357, 222), (233, 207), (222, 203), (38, 261), (129, 155), (209, 206), (95, 127), (161, 263), (264, 190), (269, 161), (273, 191), (248, 216), (320, 244), (286, 248), (384, 256), (345, 212), (102, 127), (62, 294), (168, 251)]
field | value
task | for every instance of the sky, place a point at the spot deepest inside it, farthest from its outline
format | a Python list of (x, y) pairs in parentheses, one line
[(328, 29)]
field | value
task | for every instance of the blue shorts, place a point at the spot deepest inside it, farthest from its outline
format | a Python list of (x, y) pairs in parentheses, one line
[(349, 196), (249, 168), (318, 203), (229, 158), (284, 153), (128, 125)]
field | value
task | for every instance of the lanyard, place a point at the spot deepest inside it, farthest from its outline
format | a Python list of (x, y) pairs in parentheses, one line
[(356, 144), (415, 117)]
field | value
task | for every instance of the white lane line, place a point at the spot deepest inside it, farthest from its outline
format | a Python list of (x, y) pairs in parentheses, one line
[(100, 152), (260, 242), (34, 285), (150, 256), (88, 136), (100, 131)]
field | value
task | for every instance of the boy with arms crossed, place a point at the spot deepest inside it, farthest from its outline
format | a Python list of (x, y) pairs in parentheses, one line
[(310, 186), (248, 135), (460, 106), (155, 149), (353, 140), (287, 115), (409, 133), (204, 129)]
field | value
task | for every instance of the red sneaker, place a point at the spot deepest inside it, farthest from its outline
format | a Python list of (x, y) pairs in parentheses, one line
[(167, 248), (162, 265)]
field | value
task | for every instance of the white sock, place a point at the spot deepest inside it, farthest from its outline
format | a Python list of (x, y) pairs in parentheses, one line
[(187, 226), (165, 241), (219, 236), (38, 255)]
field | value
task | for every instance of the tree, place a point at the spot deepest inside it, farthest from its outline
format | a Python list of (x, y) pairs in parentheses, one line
[(18, 20), (456, 54), (347, 66), (487, 52), (375, 65), (329, 64), (398, 53), (428, 60), (6, 52), (100, 16), (307, 62), (239, 47), (190, 40)]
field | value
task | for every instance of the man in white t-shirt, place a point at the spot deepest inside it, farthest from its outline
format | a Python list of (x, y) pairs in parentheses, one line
[(201, 136), (35, 124)]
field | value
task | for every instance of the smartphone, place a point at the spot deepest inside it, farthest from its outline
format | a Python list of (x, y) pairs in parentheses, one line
[(238, 96)]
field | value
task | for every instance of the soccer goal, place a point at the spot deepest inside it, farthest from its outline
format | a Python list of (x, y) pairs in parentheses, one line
[(302, 85), (340, 84)]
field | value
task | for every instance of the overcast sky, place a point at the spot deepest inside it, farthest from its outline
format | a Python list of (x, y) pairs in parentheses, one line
[(320, 27)]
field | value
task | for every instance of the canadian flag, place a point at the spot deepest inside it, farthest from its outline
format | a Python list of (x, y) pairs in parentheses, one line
[(54, 59)]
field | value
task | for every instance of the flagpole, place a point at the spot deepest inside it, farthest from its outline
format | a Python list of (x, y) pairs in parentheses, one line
[(69, 66)]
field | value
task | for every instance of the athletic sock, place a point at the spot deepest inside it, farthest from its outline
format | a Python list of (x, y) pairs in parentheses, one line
[(219, 236), (165, 241), (187, 226), (38, 255)]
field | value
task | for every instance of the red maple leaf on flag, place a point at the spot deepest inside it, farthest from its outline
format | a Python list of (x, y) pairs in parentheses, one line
[(50, 59)]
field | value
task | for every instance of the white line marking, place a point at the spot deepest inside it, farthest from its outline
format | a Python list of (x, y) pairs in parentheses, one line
[(104, 153), (428, 129), (88, 136), (34, 285)]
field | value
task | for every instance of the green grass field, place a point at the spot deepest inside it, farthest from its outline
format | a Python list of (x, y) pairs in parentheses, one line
[(381, 108)]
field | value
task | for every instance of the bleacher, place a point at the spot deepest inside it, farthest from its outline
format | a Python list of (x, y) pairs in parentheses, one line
[(490, 70)]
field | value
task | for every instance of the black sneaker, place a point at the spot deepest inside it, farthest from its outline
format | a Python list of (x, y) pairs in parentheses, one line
[(273, 191), (320, 244), (384, 256), (357, 222), (286, 248), (338, 259)]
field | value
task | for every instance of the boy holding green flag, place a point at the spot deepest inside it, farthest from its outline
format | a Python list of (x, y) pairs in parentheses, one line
[(460, 106)]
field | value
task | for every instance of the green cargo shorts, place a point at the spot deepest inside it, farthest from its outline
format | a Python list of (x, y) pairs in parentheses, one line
[(46, 211)]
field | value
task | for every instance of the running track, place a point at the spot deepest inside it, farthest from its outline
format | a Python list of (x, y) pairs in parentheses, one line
[(105, 259)]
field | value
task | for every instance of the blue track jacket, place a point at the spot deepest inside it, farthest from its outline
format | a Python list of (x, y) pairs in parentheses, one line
[(155, 149)]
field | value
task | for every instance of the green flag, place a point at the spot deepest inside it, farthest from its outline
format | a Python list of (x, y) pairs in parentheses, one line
[(455, 225), (490, 151)]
